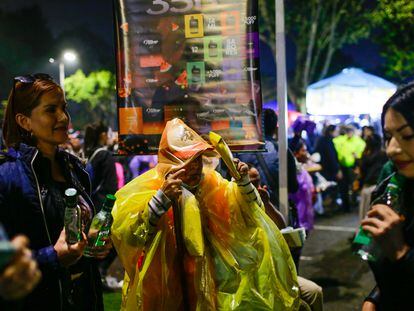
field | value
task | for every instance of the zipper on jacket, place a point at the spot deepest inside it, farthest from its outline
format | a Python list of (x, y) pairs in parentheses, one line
[(44, 220)]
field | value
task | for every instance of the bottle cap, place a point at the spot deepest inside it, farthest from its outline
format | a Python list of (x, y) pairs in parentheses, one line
[(109, 202), (71, 197)]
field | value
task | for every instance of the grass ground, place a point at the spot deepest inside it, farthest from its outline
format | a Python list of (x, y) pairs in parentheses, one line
[(112, 301)]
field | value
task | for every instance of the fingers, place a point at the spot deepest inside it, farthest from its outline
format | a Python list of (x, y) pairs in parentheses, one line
[(175, 174), (242, 167), (380, 220), (381, 211), (20, 242), (20, 277)]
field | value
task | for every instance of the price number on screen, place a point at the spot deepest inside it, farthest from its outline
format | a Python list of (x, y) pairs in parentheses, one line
[(160, 7)]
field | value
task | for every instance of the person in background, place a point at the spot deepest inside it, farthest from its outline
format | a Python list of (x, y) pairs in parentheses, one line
[(310, 292), (141, 163), (75, 144), (394, 231), (329, 157), (22, 274), (349, 148), (330, 165), (370, 165), (102, 171), (303, 198), (267, 162), (367, 131), (34, 174)]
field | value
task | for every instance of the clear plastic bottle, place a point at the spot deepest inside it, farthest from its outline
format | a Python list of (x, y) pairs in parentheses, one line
[(363, 244), (73, 217), (100, 228)]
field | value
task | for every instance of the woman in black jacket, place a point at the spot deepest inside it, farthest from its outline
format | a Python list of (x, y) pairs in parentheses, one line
[(102, 172), (101, 163), (393, 231), (34, 173)]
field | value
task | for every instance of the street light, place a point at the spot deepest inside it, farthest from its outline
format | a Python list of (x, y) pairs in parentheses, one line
[(68, 56)]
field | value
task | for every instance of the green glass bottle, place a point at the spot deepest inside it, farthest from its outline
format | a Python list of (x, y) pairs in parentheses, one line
[(363, 244), (100, 228), (73, 217)]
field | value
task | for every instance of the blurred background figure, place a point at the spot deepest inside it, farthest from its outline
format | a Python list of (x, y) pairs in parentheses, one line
[(367, 131), (369, 168), (103, 174), (101, 163), (329, 157), (349, 148), (141, 163), (303, 197), (267, 163)]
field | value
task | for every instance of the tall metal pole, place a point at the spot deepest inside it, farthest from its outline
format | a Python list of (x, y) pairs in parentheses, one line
[(62, 75), (282, 103)]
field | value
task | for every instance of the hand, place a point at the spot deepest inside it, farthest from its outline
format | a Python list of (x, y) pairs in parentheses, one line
[(368, 306), (264, 194), (241, 167), (100, 252), (386, 227), (69, 254), (172, 184), (22, 274)]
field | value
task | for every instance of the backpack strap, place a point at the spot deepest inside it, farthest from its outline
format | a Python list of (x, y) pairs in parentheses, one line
[(95, 153), (89, 161)]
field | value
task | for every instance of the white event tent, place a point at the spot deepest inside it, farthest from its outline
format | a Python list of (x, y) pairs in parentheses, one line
[(351, 92)]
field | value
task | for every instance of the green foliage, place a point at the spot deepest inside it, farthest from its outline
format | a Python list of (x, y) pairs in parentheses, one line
[(96, 92), (318, 29), (395, 37)]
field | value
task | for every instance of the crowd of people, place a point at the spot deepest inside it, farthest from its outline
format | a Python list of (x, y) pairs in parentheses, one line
[(187, 237)]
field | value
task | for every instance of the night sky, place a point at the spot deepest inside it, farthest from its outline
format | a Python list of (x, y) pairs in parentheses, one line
[(67, 14), (97, 16)]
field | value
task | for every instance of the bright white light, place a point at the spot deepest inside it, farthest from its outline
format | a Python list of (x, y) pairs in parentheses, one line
[(51, 60), (69, 56)]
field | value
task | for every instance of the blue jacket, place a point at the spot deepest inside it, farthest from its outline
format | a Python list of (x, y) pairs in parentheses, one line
[(24, 210)]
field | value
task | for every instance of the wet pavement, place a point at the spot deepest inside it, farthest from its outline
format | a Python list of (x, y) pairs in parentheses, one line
[(327, 260)]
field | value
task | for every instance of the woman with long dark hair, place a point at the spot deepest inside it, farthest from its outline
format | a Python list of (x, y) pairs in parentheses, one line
[(393, 228), (34, 174)]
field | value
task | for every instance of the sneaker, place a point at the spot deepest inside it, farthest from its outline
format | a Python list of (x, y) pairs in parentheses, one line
[(110, 283)]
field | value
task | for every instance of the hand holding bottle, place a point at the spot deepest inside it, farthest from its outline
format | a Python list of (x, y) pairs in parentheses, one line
[(385, 226), (100, 252), (69, 254)]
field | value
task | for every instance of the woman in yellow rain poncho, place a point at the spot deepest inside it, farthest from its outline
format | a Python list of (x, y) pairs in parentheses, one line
[(234, 256)]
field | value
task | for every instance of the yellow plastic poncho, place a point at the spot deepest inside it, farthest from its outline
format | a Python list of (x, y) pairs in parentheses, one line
[(246, 263)]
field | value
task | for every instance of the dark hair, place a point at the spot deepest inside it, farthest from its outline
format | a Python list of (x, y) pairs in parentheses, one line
[(296, 145), (269, 122), (403, 102), (23, 98), (92, 134), (373, 144), (328, 130)]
